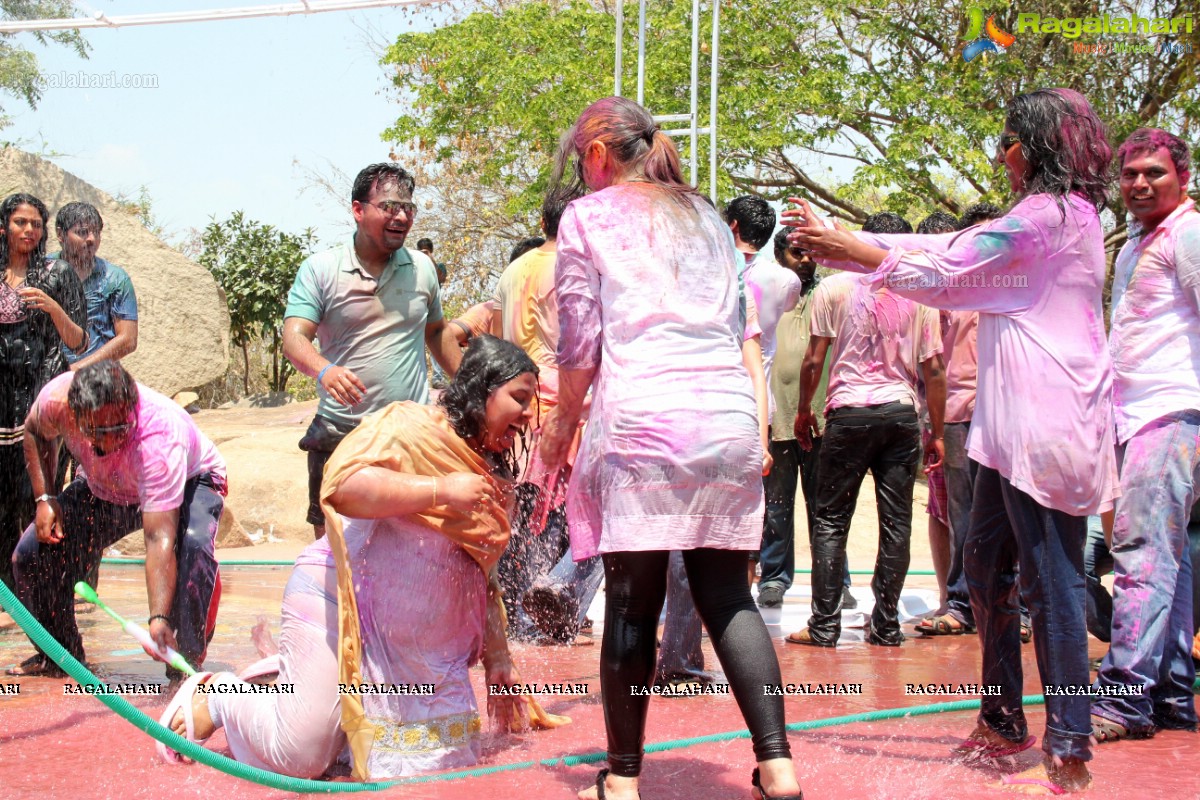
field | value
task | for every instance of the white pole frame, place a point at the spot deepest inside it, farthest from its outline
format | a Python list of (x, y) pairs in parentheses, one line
[(693, 131), (101, 20)]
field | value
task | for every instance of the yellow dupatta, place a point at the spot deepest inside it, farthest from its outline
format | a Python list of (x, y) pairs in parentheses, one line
[(417, 440)]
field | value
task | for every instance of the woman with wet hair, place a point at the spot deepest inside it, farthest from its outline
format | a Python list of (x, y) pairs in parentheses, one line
[(42, 307), (1042, 432), (400, 592), (651, 314)]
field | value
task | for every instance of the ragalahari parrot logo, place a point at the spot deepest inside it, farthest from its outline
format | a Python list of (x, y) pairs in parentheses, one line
[(985, 37)]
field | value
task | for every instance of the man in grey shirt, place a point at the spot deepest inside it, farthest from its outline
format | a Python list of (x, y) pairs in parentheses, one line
[(374, 305)]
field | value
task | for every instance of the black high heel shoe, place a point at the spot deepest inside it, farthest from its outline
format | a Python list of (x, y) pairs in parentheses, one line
[(757, 784)]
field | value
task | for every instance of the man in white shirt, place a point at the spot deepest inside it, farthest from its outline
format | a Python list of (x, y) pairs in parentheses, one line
[(1155, 346)]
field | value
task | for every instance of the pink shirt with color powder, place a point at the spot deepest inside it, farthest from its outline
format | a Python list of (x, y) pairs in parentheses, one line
[(162, 452), (1043, 410), (1155, 339), (879, 342), (962, 364)]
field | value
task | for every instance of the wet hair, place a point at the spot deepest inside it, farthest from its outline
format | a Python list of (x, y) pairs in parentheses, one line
[(886, 222), (488, 363), (938, 222), (755, 219), (781, 243), (1150, 140), (7, 209), (78, 213), (1064, 144), (524, 246), (633, 139), (381, 175), (103, 383), (425, 244), (553, 208), (977, 213)]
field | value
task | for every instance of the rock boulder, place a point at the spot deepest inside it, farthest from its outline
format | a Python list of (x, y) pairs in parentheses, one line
[(183, 330)]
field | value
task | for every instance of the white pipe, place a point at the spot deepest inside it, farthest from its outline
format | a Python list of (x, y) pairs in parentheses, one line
[(695, 99), (620, 47), (712, 103), (100, 20), (641, 53)]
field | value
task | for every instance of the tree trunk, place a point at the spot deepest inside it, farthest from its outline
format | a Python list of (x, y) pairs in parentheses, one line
[(245, 369), (275, 356)]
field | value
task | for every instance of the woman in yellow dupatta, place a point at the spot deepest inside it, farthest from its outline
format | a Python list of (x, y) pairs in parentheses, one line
[(383, 617)]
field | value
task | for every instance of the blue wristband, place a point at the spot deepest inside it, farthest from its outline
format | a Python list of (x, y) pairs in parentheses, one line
[(321, 374)]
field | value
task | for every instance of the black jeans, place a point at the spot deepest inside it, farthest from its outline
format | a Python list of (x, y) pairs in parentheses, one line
[(46, 574), (636, 585), (319, 441), (16, 506), (777, 556), (886, 440)]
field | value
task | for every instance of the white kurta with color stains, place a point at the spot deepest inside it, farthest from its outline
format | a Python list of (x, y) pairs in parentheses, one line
[(649, 295)]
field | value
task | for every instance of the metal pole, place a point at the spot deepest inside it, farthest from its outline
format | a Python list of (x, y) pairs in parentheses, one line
[(695, 139), (712, 103), (100, 20), (620, 47), (641, 52)]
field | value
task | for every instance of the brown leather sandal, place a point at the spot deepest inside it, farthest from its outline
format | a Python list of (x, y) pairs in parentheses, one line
[(943, 625)]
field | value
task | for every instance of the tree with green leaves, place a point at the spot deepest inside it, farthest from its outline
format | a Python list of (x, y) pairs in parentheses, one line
[(254, 264), (19, 72), (856, 106)]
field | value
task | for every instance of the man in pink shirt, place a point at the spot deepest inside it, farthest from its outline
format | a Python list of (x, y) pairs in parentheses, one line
[(1155, 345), (882, 343), (146, 465)]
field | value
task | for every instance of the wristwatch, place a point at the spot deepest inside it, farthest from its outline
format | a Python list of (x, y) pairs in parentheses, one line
[(42, 497)]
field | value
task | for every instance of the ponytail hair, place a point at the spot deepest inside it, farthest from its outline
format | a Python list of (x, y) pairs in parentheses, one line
[(634, 140)]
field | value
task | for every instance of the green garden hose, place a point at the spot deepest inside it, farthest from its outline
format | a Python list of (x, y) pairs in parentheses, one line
[(141, 721)]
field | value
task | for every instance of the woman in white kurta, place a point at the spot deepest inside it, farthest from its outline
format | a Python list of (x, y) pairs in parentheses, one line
[(384, 616), (651, 315)]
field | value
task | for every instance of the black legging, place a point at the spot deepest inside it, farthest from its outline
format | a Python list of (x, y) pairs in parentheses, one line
[(635, 587)]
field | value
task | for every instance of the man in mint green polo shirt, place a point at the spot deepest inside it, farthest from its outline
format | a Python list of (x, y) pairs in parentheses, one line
[(373, 305)]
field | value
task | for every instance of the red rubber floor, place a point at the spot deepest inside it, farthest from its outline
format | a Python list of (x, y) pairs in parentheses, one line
[(56, 746)]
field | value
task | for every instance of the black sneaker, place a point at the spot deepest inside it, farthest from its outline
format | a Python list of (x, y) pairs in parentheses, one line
[(770, 597), (848, 601)]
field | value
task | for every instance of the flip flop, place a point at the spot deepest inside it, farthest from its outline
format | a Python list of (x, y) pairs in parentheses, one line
[(804, 636), (1040, 777), (943, 625), (37, 666), (1106, 730), (182, 701), (1045, 783), (976, 749)]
